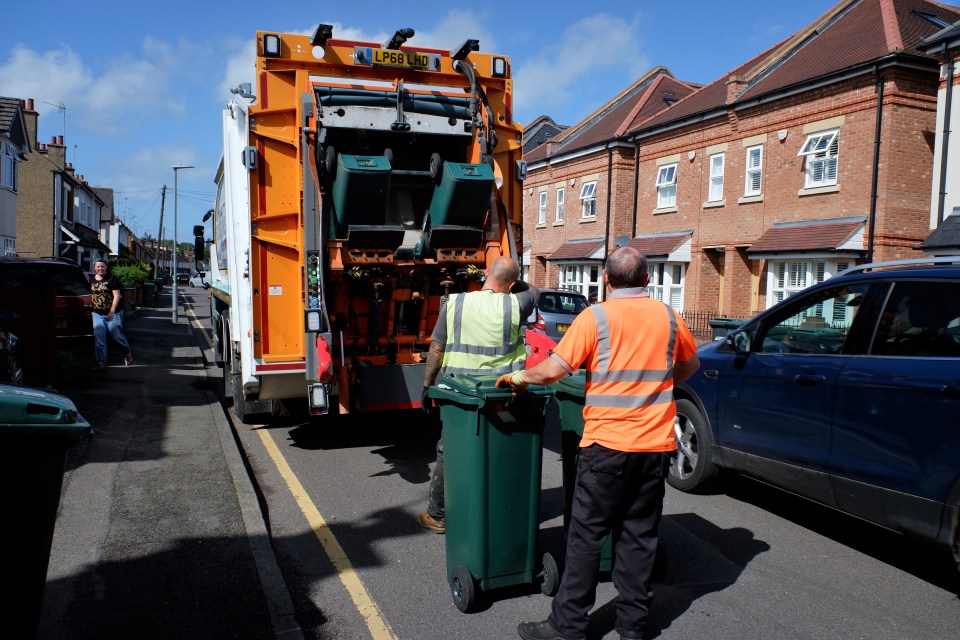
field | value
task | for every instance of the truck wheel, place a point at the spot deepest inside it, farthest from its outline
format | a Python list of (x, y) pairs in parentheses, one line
[(550, 576), (692, 468), (462, 588)]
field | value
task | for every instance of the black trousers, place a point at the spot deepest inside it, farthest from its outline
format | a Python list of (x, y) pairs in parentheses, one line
[(620, 493)]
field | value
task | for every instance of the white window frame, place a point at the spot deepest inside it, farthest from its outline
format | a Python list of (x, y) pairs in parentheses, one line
[(586, 278), (560, 198), (588, 200), (753, 175), (788, 276), (715, 193), (667, 281), (667, 186), (543, 208), (821, 150), (9, 168)]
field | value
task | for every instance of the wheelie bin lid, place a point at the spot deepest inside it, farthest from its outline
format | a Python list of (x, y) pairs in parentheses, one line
[(572, 385), (472, 389), (29, 411)]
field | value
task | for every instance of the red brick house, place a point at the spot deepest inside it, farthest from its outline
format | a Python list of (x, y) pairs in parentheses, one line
[(814, 155), (579, 187)]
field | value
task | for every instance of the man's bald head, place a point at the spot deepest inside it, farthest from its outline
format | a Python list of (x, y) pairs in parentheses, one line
[(502, 274), (626, 268)]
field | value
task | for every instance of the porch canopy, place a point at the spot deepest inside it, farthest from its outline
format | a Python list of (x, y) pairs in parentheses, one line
[(840, 237)]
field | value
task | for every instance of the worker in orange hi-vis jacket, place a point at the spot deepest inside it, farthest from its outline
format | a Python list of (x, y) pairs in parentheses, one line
[(634, 349)]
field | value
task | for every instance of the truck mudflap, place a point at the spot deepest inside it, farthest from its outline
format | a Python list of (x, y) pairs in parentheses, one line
[(390, 387)]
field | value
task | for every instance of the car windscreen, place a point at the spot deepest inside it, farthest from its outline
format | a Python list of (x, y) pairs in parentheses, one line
[(551, 302), (68, 281)]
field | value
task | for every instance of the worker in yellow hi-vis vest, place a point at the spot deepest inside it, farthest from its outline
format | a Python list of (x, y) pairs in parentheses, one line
[(479, 331)]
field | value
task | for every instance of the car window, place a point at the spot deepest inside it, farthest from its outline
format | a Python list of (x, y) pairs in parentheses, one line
[(817, 323), (561, 303), (920, 319), (68, 281)]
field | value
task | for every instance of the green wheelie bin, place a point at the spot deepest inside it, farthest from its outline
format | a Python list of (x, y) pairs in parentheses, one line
[(492, 446), (569, 395), (36, 429)]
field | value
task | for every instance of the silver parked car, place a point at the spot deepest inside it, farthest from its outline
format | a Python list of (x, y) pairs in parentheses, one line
[(556, 309)]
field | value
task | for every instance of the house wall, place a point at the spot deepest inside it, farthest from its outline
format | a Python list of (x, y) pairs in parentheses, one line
[(37, 231), (735, 287), (952, 196)]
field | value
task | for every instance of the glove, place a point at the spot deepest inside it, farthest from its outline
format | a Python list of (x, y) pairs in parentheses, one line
[(513, 380), (426, 402)]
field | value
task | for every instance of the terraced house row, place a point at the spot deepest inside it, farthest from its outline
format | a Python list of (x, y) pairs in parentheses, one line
[(825, 151)]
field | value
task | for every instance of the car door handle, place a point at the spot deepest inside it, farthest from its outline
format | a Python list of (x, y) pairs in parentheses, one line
[(808, 379), (951, 390)]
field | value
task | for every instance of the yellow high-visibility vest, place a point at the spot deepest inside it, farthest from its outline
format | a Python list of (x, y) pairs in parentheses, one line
[(490, 339)]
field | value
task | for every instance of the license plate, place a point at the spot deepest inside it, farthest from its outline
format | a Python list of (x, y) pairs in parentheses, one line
[(403, 59), (562, 327)]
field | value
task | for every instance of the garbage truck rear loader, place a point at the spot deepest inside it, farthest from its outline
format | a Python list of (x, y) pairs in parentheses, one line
[(361, 185)]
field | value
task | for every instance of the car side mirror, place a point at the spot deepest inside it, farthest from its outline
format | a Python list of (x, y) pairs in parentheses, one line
[(739, 341)]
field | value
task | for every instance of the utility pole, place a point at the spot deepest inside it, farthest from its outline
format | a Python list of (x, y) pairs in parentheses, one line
[(176, 300), (156, 262)]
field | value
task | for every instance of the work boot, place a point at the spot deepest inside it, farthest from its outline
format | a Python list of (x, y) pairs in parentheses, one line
[(629, 634), (432, 524), (543, 631)]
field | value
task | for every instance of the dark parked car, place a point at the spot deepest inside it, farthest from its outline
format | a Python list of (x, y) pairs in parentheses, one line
[(73, 304), (556, 309), (183, 278), (846, 393)]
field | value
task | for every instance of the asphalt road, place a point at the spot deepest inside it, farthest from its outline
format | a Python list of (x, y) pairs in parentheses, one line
[(342, 495)]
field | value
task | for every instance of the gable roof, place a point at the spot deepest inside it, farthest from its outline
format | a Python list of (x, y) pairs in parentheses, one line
[(12, 124), (652, 93), (852, 34)]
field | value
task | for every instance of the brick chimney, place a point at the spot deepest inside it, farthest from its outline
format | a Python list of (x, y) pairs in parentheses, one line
[(735, 86), (30, 118), (56, 152)]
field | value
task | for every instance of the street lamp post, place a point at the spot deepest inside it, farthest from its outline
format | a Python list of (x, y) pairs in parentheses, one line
[(176, 170)]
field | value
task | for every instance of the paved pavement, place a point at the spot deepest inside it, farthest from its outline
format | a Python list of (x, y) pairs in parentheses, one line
[(160, 533)]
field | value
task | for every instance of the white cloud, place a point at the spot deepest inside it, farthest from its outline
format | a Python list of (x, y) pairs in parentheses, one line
[(592, 48), (110, 102)]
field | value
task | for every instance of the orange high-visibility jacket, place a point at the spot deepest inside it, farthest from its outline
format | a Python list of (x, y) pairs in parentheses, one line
[(628, 345)]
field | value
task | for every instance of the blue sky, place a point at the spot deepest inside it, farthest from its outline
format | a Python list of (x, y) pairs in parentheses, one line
[(144, 83)]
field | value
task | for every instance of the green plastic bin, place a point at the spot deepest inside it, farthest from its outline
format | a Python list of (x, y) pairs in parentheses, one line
[(36, 429), (361, 190), (722, 326), (569, 396), (492, 444)]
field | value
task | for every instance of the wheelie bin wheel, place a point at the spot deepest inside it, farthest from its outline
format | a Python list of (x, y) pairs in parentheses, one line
[(550, 575), (462, 588)]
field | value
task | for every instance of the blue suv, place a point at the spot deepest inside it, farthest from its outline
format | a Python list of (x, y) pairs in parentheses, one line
[(847, 393)]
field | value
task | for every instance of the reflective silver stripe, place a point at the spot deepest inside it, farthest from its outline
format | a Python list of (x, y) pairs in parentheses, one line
[(630, 375), (603, 338), (508, 320), (482, 350), (628, 402), (507, 368), (457, 317), (672, 340)]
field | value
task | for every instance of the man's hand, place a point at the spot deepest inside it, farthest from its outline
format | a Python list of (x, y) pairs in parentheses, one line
[(426, 402), (513, 380)]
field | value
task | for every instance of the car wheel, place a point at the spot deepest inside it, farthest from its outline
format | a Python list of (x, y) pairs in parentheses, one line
[(692, 468)]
